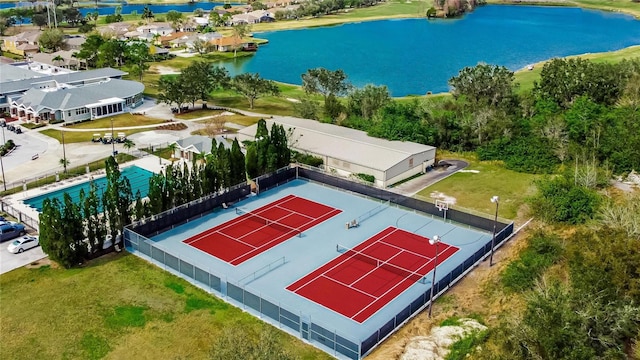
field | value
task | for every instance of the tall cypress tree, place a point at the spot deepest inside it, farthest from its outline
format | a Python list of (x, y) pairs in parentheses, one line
[(110, 198), (223, 169), (262, 142), (238, 167), (251, 161)]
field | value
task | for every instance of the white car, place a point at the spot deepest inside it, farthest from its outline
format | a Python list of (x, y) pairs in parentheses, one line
[(23, 243)]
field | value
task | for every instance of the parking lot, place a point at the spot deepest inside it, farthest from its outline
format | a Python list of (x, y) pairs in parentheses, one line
[(9, 261)]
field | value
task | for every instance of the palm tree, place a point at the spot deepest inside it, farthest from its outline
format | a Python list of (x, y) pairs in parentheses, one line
[(147, 14), (57, 60), (172, 147), (65, 162), (128, 144), (239, 32)]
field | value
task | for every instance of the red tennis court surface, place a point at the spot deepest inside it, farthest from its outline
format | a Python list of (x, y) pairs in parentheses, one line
[(251, 233), (364, 279)]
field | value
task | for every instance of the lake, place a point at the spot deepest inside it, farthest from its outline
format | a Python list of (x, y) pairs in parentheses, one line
[(414, 56)]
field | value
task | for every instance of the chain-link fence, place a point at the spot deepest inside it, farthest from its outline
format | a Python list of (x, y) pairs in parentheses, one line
[(342, 345)]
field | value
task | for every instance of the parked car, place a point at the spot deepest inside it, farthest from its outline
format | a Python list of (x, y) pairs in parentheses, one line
[(11, 230), (24, 243)]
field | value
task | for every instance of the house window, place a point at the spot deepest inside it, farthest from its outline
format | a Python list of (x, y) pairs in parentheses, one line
[(411, 162)]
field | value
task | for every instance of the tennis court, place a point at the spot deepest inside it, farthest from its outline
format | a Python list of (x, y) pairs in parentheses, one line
[(371, 274), (325, 263), (254, 232)]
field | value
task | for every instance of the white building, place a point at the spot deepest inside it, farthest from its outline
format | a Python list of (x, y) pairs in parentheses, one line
[(348, 151), (35, 92)]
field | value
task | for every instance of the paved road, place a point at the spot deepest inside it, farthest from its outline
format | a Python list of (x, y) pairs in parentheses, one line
[(413, 186), (9, 261)]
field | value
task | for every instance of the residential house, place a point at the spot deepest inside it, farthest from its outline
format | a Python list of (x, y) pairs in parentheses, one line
[(197, 146), (160, 29), (200, 20), (244, 19), (114, 30), (263, 15), (167, 40), (188, 26), (74, 43), (24, 43), (228, 43), (63, 59), (129, 35)]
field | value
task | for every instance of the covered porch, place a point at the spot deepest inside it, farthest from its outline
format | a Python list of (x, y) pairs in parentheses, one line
[(106, 107)]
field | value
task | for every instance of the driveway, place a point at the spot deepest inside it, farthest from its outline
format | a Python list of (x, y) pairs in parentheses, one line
[(413, 186), (9, 261)]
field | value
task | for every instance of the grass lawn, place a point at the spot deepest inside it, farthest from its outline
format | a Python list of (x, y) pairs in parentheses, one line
[(276, 105), (122, 120), (83, 136), (474, 191), (237, 119), (389, 9), (119, 307), (526, 77), (198, 114)]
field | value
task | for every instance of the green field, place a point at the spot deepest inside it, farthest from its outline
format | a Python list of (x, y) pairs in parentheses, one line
[(83, 136), (474, 190), (119, 307), (122, 120), (526, 78)]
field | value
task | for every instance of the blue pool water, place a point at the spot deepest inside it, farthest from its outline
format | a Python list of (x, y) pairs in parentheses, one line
[(413, 56), (138, 177)]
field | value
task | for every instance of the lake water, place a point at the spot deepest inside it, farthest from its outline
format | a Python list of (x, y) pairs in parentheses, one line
[(414, 56)]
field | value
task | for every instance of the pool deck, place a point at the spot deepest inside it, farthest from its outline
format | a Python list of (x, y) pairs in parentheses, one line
[(16, 201)]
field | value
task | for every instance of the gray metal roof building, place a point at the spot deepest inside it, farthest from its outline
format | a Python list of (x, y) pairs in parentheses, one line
[(348, 151), (37, 92)]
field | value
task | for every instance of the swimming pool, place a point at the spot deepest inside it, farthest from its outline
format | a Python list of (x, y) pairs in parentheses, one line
[(138, 177)]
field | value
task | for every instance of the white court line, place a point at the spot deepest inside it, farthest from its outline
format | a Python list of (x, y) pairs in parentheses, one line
[(386, 292), (346, 285), (347, 259), (261, 246), (229, 237)]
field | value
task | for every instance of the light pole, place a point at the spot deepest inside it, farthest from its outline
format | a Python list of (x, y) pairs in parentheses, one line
[(496, 200), (4, 181), (113, 141), (435, 240)]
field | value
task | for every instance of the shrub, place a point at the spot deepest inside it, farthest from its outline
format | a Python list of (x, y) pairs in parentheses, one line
[(307, 159), (366, 177), (561, 200), (531, 154), (542, 251)]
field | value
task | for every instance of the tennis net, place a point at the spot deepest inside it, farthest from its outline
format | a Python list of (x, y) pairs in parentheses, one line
[(379, 208), (268, 222), (379, 263)]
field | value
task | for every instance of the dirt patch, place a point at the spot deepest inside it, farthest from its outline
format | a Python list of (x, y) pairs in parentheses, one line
[(165, 70), (436, 345), (174, 126), (42, 262), (437, 195)]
